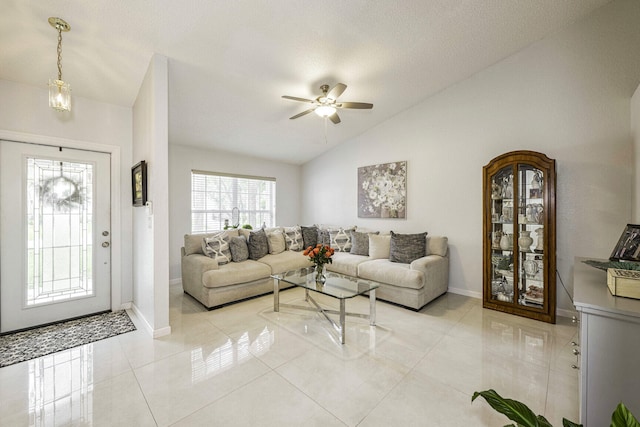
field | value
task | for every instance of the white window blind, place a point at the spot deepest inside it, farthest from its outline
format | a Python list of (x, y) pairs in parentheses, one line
[(214, 196)]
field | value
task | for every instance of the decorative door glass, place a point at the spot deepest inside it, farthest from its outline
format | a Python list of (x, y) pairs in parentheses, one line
[(59, 236)]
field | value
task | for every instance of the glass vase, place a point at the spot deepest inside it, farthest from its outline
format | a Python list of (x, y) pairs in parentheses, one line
[(320, 277)]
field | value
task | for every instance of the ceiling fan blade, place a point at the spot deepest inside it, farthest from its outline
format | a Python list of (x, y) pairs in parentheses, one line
[(358, 105), (295, 98), (335, 118), (336, 91), (302, 114)]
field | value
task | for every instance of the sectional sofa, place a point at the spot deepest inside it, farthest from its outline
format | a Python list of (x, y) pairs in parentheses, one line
[(411, 275)]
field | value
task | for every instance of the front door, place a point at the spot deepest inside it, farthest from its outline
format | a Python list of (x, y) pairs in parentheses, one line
[(55, 259)]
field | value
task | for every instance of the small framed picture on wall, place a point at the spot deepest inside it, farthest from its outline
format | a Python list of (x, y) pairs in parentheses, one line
[(139, 183)]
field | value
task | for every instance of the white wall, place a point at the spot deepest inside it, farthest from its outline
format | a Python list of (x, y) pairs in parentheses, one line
[(183, 159), (635, 134), (150, 226), (25, 114), (566, 96)]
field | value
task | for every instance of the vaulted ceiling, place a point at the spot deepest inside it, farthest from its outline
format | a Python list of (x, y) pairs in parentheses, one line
[(231, 61)]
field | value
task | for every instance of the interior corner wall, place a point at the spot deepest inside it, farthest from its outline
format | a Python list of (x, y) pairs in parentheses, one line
[(184, 159), (635, 134), (151, 223), (567, 95), (25, 110)]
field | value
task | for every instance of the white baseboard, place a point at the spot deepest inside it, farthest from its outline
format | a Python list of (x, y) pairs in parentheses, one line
[(155, 333), (125, 306), (175, 282), (566, 313), (465, 292), (162, 332)]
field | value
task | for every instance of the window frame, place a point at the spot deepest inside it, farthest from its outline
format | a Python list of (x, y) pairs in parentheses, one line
[(245, 215)]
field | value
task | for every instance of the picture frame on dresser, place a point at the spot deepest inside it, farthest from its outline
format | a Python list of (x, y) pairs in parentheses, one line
[(628, 246)]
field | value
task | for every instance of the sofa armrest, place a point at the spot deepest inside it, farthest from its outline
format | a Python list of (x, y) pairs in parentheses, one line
[(435, 269), (193, 267)]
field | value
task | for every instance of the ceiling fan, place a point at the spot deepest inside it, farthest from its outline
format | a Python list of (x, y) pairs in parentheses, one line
[(326, 105)]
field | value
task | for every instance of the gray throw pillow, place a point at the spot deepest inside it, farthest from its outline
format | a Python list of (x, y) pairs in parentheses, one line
[(258, 244), (309, 236), (360, 243), (406, 248), (323, 236), (239, 249)]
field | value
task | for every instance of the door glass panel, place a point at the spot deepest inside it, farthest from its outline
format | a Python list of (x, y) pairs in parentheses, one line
[(502, 239), (531, 217), (59, 239)]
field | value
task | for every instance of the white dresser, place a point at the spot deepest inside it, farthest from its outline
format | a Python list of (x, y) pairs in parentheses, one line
[(609, 348)]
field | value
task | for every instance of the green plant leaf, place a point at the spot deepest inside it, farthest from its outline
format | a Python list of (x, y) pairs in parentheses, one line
[(512, 409), (567, 423), (622, 417), (543, 422)]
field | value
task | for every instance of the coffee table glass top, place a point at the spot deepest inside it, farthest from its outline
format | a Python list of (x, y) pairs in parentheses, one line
[(337, 285)]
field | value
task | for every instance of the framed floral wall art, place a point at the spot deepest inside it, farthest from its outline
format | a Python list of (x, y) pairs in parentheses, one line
[(382, 190)]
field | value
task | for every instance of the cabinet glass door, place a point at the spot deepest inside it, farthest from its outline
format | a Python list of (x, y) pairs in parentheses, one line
[(530, 221), (502, 235)]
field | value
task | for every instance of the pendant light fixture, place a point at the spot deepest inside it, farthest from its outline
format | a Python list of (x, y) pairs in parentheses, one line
[(59, 91)]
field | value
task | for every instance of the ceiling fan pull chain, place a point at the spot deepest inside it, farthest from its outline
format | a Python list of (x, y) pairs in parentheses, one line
[(326, 119)]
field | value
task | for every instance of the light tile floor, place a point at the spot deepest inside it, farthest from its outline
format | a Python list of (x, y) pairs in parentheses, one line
[(244, 365)]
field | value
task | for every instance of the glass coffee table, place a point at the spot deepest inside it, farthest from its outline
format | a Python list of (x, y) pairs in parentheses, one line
[(339, 286)]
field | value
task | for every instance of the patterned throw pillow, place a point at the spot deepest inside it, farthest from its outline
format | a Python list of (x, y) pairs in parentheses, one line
[(293, 237), (276, 241), (239, 249), (360, 242), (340, 239), (217, 247), (309, 236), (406, 248), (258, 244)]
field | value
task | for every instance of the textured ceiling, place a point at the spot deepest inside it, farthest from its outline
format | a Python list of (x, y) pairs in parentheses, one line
[(230, 61)]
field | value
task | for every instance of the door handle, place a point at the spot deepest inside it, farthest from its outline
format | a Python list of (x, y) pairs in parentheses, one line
[(105, 244)]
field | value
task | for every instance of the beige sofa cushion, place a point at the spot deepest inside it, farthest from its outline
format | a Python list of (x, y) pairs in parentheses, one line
[(285, 261), (346, 263), (379, 246), (392, 273), (437, 245), (276, 241), (234, 273), (193, 242)]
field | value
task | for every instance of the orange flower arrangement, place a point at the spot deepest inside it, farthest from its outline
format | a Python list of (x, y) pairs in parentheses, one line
[(319, 255)]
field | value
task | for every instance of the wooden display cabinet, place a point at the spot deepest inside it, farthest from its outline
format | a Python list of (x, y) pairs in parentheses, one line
[(519, 243)]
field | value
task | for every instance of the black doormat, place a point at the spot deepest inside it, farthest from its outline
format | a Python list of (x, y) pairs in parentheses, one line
[(26, 345)]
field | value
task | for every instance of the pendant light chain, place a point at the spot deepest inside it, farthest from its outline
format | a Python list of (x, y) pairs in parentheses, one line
[(59, 52)]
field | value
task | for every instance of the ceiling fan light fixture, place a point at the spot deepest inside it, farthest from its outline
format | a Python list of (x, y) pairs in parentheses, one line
[(325, 110)]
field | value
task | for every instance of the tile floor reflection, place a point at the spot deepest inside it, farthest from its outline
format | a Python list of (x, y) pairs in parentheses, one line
[(246, 365)]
